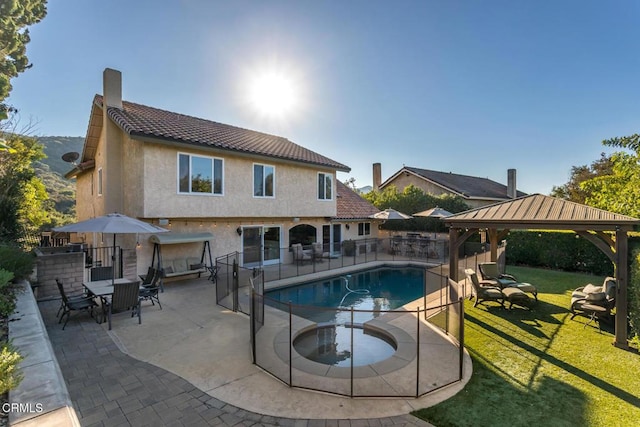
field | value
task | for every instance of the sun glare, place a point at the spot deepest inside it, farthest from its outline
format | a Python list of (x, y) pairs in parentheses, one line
[(274, 93)]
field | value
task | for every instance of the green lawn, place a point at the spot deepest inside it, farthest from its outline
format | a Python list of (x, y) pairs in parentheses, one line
[(539, 368)]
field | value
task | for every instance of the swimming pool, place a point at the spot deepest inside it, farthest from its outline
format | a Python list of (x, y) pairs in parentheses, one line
[(374, 290), (340, 337)]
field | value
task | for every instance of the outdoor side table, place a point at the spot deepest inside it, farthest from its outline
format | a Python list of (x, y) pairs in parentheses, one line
[(593, 311)]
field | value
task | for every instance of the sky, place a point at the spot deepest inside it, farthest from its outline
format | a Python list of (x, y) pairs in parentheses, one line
[(469, 87)]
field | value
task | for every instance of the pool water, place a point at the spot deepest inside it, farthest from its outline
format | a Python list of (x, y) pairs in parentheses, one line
[(375, 290)]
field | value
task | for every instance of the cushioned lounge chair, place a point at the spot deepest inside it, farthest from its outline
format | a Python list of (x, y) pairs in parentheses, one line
[(594, 302), (489, 271), (484, 290)]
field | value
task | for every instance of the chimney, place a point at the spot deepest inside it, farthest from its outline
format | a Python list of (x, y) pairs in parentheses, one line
[(512, 192), (377, 176), (112, 88)]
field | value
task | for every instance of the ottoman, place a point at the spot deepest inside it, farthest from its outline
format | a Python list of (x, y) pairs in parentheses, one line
[(515, 296)]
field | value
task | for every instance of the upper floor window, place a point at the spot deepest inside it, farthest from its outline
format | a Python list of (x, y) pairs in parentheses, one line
[(199, 174), (100, 182), (364, 228), (263, 180), (325, 186)]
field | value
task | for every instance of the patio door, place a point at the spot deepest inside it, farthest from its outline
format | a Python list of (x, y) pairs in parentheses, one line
[(331, 237), (260, 245)]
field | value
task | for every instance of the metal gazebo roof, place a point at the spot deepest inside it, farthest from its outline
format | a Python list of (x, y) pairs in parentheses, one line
[(537, 211)]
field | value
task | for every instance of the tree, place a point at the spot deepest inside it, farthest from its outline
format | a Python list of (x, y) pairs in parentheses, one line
[(411, 200), (619, 190), (22, 194), (15, 16), (572, 190)]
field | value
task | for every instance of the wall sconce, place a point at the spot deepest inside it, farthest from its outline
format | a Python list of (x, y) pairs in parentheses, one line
[(346, 226), (239, 231), (138, 245)]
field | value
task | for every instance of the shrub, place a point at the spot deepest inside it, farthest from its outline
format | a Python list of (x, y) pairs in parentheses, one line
[(17, 261), (10, 375), (7, 293)]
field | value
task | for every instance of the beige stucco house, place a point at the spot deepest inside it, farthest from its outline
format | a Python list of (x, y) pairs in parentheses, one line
[(254, 193), (475, 191)]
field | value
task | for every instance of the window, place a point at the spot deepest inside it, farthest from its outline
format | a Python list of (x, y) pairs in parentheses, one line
[(325, 186), (364, 229), (199, 175), (263, 180), (100, 182)]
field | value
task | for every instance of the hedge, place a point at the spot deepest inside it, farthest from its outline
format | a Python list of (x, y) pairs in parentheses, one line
[(560, 251)]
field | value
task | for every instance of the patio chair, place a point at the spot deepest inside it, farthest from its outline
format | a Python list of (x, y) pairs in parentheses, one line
[(71, 297), (594, 302), (317, 251), (77, 303), (149, 291), (101, 273), (148, 278), (484, 290), (300, 255), (125, 296), (489, 271)]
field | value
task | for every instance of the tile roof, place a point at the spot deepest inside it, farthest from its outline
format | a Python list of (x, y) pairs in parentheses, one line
[(465, 185), (142, 121), (540, 211), (350, 205)]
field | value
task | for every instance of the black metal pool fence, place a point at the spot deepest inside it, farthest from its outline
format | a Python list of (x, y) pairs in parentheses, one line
[(427, 341)]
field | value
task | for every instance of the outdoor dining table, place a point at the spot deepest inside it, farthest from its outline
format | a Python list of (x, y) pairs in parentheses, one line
[(102, 289)]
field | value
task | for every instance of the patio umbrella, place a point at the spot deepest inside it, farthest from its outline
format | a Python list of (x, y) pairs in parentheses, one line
[(111, 223), (389, 214), (434, 213)]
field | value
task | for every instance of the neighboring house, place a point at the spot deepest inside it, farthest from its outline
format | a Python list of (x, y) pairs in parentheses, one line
[(475, 191), (254, 192)]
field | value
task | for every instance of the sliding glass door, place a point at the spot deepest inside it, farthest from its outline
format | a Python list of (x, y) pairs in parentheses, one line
[(260, 245)]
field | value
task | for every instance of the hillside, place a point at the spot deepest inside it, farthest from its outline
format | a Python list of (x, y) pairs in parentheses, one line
[(62, 192)]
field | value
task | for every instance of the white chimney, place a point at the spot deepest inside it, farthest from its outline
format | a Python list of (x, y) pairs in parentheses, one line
[(377, 176), (512, 191), (112, 88)]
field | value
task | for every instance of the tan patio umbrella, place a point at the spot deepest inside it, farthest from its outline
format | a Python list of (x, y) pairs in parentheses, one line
[(434, 213), (112, 223), (389, 214)]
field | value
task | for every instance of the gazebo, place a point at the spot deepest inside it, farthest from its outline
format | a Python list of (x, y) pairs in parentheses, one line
[(607, 230)]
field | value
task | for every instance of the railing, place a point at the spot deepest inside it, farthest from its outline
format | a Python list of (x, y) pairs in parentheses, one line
[(284, 264), (424, 360)]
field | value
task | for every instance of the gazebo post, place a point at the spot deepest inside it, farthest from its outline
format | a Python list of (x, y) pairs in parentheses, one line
[(453, 254), (622, 272)]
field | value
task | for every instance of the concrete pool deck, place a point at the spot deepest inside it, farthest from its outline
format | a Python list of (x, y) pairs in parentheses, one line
[(209, 347)]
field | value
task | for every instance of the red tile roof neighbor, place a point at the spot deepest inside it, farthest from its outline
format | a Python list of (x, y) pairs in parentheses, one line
[(141, 121), (350, 205)]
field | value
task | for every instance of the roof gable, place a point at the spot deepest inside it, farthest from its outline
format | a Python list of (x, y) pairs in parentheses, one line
[(350, 205), (142, 121), (463, 185)]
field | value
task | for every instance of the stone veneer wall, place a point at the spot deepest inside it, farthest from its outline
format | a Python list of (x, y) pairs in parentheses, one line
[(52, 263)]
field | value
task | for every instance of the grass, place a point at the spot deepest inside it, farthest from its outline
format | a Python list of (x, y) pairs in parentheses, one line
[(539, 367)]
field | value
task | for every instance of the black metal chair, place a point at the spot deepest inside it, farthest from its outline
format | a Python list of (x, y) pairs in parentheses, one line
[(125, 296), (101, 273), (77, 303), (149, 291)]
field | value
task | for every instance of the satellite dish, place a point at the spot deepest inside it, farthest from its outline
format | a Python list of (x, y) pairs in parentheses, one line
[(70, 157)]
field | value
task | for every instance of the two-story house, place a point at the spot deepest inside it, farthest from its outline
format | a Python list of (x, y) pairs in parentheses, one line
[(476, 191), (255, 193)]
